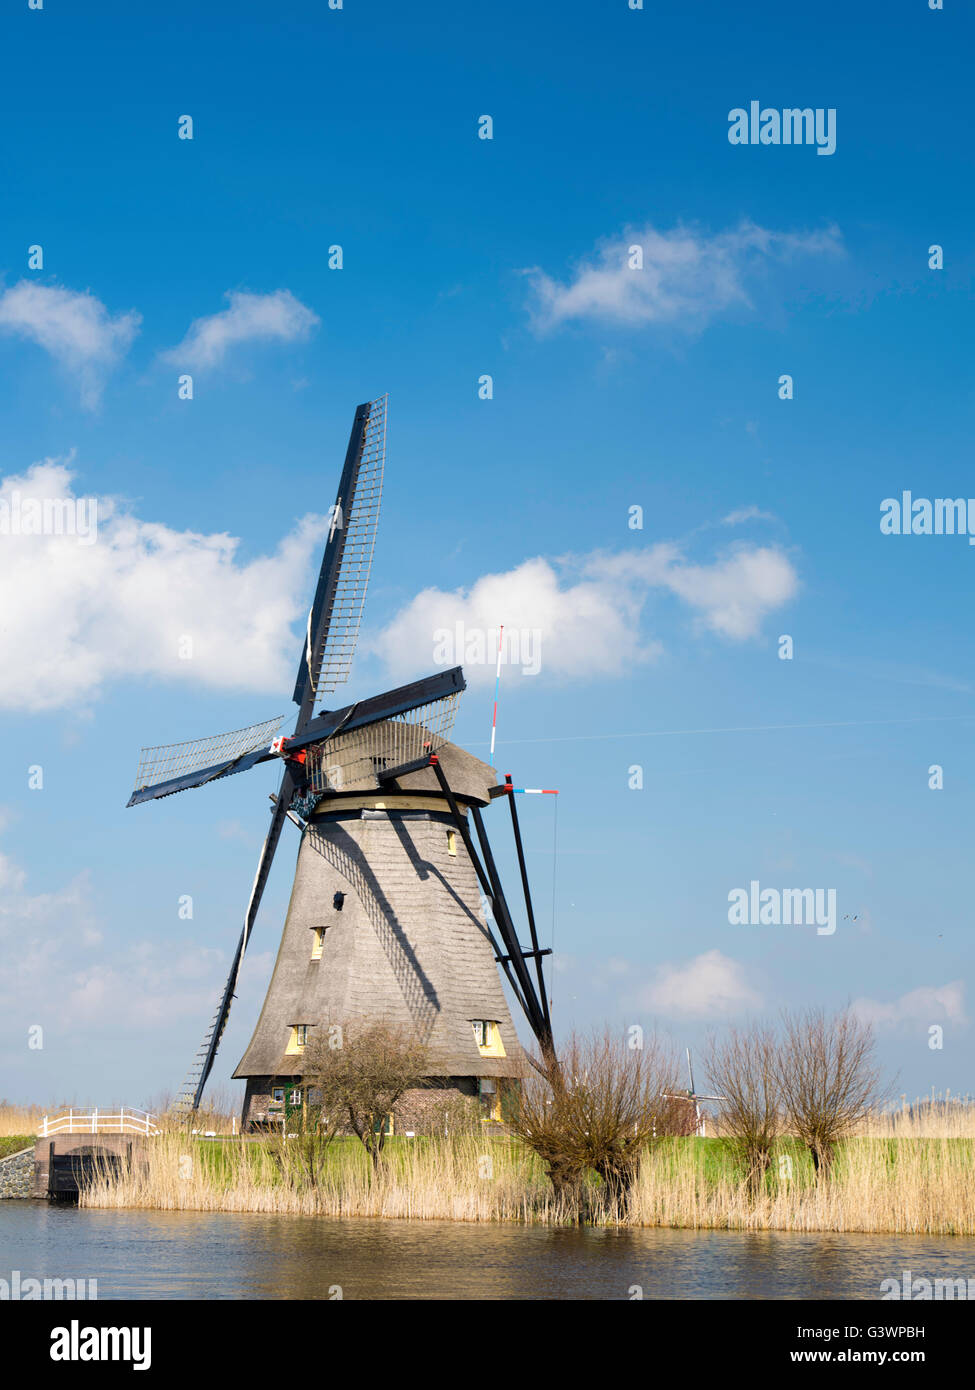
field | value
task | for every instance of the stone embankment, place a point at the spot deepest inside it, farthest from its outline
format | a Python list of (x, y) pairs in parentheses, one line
[(17, 1175)]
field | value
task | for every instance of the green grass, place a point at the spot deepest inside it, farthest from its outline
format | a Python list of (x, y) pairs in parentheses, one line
[(713, 1159), (13, 1143), (344, 1155)]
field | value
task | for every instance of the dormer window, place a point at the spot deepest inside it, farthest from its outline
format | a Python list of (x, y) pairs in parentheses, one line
[(298, 1039), (487, 1035)]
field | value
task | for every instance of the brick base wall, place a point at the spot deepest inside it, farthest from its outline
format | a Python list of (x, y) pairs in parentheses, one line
[(446, 1106)]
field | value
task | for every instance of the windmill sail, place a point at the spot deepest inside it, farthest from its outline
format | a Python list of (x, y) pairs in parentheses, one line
[(335, 614), (174, 767)]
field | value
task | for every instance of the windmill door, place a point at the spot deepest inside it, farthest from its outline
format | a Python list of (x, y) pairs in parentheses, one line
[(293, 1103)]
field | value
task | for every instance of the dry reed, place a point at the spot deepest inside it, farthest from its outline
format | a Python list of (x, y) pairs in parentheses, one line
[(460, 1179), (892, 1186), (881, 1185), (19, 1119)]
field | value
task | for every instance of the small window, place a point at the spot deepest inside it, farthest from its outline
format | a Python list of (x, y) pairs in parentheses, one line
[(318, 943), (487, 1035), (452, 842), (298, 1039), (277, 1095)]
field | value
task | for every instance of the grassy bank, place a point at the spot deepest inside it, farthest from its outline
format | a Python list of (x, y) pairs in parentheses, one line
[(13, 1143), (901, 1185)]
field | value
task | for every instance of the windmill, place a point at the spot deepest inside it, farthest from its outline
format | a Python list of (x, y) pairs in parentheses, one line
[(384, 922), (692, 1096)]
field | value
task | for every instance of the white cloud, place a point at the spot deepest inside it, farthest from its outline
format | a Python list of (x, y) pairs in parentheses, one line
[(688, 276), (78, 615), (75, 328), (709, 986), (732, 594), (276, 317), (588, 611), (96, 988), (743, 514), (585, 625), (926, 1005)]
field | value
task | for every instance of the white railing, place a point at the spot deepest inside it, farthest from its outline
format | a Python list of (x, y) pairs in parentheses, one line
[(122, 1121)]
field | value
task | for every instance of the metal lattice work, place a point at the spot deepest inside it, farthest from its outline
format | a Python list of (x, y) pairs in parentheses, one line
[(350, 762), (171, 760), (330, 666)]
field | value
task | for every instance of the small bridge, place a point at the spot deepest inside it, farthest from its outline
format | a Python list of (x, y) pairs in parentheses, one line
[(121, 1121), (77, 1146)]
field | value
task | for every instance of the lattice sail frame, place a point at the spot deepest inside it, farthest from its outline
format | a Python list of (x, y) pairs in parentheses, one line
[(351, 761), (166, 761), (330, 667)]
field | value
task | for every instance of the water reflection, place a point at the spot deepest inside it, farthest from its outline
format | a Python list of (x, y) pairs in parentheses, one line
[(218, 1255)]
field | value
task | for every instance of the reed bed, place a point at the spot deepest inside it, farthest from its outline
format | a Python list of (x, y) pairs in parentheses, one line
[(882, 1186), (19, 1119), (929, 1117), (460, 1179), (886, 1185)]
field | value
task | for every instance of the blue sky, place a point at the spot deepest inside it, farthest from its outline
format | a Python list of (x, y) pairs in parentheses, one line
[(612, 388)]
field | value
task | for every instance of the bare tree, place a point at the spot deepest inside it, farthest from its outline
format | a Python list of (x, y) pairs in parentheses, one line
[(603, 1108), (540, 1121), (743, 1067), (828, 1078), (358, 1083)]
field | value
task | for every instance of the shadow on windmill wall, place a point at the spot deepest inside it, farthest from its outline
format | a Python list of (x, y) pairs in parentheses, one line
[(341, 851)]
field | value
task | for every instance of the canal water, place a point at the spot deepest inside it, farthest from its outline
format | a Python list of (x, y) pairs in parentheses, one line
[(201, 1255)]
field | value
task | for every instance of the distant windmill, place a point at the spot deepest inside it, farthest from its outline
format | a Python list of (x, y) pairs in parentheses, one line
[(692, 1096)]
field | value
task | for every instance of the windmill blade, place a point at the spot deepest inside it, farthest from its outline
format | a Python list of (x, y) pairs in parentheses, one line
[(174, 767), (332, 629), (690, 1070), (197, 1080), (415, 717), (336, 611)]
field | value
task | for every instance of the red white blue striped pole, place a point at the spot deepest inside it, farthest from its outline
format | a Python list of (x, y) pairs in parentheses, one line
[(497, 684), (534, 791)]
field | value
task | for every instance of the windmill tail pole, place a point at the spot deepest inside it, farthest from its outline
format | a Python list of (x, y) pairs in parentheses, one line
[(510, 937), (516, 828)]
